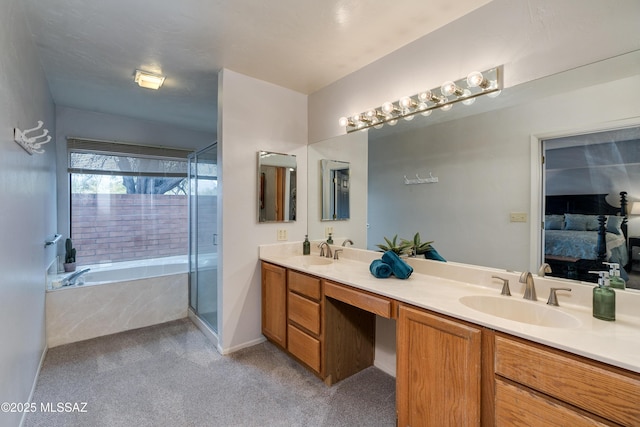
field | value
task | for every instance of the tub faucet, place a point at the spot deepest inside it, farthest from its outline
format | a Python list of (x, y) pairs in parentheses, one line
[(70, 280), (349, 241), (544, 268), (530, 289), (322, 246)]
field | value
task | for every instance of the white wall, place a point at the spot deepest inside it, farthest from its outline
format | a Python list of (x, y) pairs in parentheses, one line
[(72, 122), (253, 116), (27, 210), (352, 148), (533, 38)]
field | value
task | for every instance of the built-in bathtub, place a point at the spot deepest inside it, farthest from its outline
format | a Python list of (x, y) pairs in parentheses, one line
[(116, 297)]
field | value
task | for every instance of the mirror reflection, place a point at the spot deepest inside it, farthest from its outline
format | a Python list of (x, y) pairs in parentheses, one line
[(487, 206), (335, 190), (276, 187)]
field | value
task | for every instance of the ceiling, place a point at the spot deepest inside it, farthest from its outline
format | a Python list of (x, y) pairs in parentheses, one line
[(90, 49)]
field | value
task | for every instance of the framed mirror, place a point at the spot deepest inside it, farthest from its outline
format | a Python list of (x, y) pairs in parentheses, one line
[(335, 190), (277, 187)]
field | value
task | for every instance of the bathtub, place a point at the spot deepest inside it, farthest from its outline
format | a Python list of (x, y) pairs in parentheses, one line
[(116, 297)]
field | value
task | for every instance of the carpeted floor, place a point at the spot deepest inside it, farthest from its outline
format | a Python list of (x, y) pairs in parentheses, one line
[(171, 375)]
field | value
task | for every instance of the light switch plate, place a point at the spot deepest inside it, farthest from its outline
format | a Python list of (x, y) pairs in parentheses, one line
[(282, 234), (518, 217)]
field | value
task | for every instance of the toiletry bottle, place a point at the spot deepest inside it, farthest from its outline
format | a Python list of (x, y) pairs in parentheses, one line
[(330, 239), (615, 280), (306, 246), (604, 298)]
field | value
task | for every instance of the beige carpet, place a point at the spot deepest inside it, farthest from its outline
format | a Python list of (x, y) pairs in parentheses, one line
[(171, 375)]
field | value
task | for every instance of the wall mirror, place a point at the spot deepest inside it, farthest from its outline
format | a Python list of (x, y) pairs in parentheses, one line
[(335, 190), (485, 157), (276, 187)]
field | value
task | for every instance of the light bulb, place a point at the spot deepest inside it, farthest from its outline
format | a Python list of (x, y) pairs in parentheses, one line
[(426, 113), (378, 126), (371, 113), (343, 121), (355, 118), (408, 118), (388, 107), (468, 101), (494, 94), (450, 88), (446, 107), (406, 102), (429, 96), (492, 86), (422, 106), (393, 122), (476, 79)]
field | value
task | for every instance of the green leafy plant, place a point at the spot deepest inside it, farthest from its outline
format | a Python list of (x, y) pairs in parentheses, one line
[(70, 255), (392, 245), (416, 246)]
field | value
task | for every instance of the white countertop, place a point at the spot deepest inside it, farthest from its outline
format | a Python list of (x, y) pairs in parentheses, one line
[(438, 287)]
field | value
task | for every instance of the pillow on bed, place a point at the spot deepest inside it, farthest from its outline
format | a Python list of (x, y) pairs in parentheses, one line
[(553, 222), (575, 222), (592, 222), (614, 224)]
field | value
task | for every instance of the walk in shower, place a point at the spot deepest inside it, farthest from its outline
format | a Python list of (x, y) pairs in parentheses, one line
[(203, 235)]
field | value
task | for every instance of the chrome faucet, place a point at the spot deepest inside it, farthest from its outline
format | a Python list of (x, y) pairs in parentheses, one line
[(71, 279), (544, 268), (349, 241), (336, 253), (530, 289), (322, 246)]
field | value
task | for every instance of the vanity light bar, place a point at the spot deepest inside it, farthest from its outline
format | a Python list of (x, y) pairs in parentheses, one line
[(464, 90)]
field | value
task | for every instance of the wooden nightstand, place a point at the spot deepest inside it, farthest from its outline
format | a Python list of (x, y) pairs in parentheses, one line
[(633, 241)]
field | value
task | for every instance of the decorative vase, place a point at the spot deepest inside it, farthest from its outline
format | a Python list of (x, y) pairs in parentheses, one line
[(69, 266)]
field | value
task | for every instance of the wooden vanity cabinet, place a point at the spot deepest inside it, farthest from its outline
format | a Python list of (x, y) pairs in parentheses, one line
[(304, 319), (540, 386), (274, 303), (439, 370)]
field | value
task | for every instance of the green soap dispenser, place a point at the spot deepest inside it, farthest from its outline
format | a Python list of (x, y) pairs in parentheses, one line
[(306, 246), (330, 239), (615, 280), (604, 298)]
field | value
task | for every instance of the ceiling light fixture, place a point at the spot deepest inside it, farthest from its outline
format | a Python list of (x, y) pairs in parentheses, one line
[(464, 90), (148, 80)]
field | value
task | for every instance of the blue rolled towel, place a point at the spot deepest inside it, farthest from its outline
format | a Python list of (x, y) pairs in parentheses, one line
[(433, 254), (400, 269), (380, 269)]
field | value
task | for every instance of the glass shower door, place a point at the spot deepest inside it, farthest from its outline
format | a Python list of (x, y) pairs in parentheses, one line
[(203, 235)]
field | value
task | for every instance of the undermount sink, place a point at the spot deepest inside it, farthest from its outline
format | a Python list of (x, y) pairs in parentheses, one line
[(518, 310), (311, 260)]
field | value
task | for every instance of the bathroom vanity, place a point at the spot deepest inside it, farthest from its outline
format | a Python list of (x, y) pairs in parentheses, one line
[(455, 365)]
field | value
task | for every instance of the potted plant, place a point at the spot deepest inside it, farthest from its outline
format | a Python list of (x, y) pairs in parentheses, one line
[(417, 247), (401, 248), (70, 256)]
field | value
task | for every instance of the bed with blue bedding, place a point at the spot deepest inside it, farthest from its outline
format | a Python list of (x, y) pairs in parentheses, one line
[(583, 231)]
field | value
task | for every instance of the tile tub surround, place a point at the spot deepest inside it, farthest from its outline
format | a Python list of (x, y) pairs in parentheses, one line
[(438, 287), (84, 312)]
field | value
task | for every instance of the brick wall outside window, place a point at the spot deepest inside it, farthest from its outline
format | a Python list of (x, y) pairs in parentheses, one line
[(125, 227)]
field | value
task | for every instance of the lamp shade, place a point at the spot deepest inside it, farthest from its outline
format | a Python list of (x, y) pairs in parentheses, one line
[(635, 209)]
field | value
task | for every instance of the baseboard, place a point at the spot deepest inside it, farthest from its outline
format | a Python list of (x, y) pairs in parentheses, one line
[(35, 382), (387, 368), (235, 348)]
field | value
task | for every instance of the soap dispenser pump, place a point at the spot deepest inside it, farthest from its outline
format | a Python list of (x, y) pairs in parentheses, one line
[(306, 246), (604, 298), (330, 239), (615, 280)]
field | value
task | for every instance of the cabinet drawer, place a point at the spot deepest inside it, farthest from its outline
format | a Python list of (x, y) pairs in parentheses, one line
[(596, 388), (517, 406), (304, 312), (371, 303), (304, 347), (304, 285)]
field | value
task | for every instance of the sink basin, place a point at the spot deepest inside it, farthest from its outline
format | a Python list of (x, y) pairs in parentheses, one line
[(311, 260), (533, 313)]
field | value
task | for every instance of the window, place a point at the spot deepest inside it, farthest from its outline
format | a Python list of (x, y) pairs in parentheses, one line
[(128, 202)]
